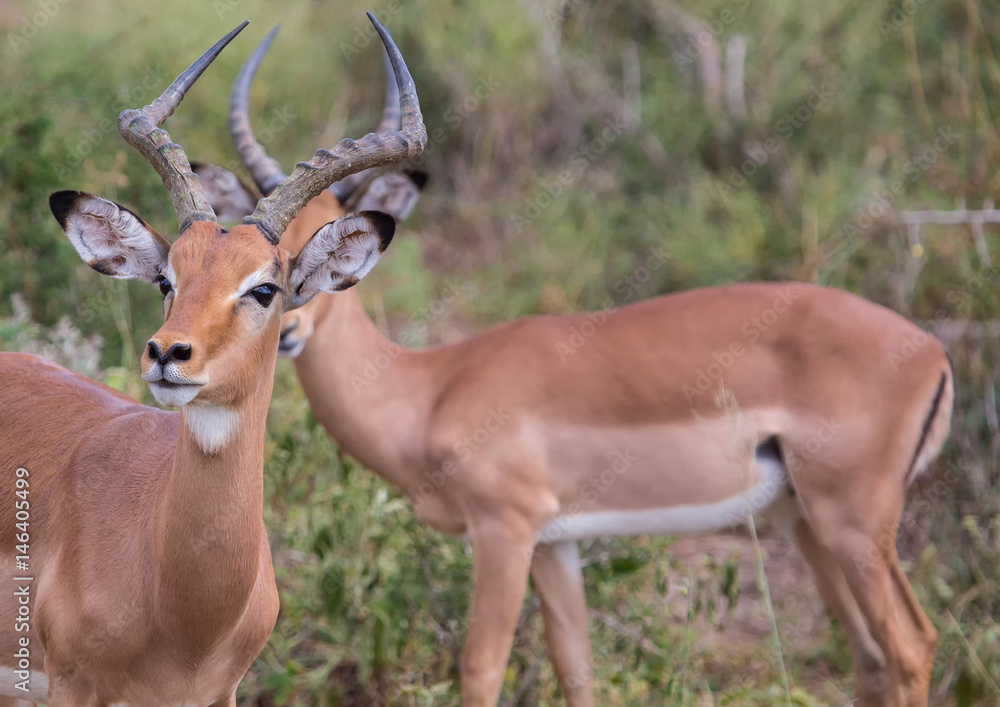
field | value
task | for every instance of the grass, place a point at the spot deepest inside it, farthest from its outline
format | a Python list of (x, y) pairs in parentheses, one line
[(373, 603)]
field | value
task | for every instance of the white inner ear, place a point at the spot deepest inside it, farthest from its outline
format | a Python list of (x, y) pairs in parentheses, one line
[(394, 194), (346, 248), (229, 198), (101, 230)]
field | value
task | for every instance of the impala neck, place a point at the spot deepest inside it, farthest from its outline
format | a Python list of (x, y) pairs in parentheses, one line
[(370, 394), (210, 528)]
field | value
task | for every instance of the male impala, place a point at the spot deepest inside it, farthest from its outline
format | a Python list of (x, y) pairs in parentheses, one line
[(526, 440), (147, 579)]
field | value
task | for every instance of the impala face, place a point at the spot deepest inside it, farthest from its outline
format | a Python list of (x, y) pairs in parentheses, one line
[(223, 294), (391, 195), (395, 194), (224, 291), (298, 327)]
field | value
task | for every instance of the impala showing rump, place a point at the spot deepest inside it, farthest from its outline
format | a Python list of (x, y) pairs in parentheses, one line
[(684, 413), (681, 414)]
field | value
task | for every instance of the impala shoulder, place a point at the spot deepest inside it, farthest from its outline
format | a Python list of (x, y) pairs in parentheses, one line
[(465, 430)]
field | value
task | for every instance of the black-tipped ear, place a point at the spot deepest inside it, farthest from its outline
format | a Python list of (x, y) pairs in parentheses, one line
[(384, 224), (394, 193), (338, 255), (418, 177), (111, 239), (61, 203)]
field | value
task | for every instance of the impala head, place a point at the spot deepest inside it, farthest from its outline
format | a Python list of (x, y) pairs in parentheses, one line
[(362, 192), (226, 290)]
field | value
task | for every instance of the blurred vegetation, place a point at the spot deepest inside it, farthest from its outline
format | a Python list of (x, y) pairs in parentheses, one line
[(568, 138)]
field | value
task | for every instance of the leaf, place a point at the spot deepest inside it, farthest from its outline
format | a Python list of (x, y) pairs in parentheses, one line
[(626, 565)]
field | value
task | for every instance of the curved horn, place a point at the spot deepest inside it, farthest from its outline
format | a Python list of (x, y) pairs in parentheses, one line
[(390, 121), (265, 170), (275, 212), (140, 129)]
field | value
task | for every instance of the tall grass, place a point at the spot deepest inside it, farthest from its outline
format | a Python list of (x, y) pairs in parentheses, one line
[(374, 604)]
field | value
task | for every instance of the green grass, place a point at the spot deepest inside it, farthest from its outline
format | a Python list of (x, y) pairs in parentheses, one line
[(373, 602)]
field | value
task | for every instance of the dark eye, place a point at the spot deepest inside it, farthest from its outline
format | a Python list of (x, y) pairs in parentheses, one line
[(164, 286), (263, 294)]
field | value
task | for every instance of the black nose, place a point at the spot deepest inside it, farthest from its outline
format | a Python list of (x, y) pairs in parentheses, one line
[(180, 352)]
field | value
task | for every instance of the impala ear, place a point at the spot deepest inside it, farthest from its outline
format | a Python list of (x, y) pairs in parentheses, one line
[(110, 238), (394, 193), (231, 199), (339, 255)]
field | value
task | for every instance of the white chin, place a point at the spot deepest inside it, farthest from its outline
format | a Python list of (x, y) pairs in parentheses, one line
[(294, 350), (172, 394)]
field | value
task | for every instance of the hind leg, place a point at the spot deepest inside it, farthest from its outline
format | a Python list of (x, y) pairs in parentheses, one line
[(854, 521), (922, 636), (871, 678), (882, 593)]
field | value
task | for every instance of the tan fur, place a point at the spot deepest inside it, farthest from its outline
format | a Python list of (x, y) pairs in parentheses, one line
[(499, 436)]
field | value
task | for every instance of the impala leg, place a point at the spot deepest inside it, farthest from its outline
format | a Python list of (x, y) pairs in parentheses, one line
[(13, 702), (922, 637), (869, 660), (555, 570), (908, 662), (501, 561), (862, 540)]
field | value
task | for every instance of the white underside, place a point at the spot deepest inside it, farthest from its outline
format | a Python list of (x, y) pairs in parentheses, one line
[(38, 685), (676, 520)]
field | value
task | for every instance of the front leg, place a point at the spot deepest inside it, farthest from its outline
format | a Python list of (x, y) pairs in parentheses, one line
[(502, 549), (558, 579)]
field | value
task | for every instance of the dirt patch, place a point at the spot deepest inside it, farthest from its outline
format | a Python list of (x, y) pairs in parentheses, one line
[(739, 644)]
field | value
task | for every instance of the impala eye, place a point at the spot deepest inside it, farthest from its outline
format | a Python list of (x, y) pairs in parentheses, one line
[(165, 286), (263, 294)]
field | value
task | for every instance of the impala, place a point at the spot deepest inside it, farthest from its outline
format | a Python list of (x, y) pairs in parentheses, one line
[(148, 575), (685, 413)]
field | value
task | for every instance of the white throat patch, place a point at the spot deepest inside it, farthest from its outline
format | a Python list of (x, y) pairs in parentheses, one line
[(212, 426)]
